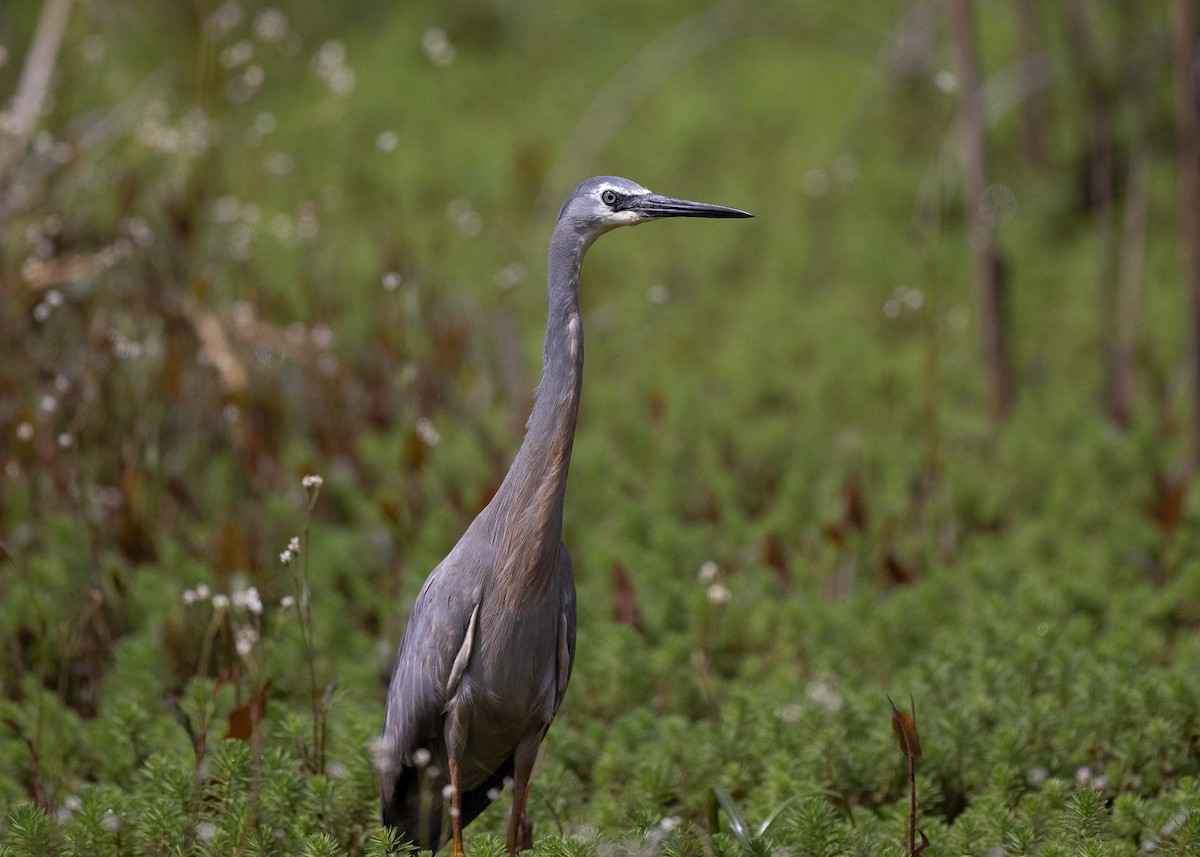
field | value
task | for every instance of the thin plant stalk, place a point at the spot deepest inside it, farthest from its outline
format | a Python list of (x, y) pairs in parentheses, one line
[(303, 592)]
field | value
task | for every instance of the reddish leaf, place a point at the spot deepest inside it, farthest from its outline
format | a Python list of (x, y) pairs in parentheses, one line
[(775, 556), (134, 538), (415, 451), (897, 571), (1167, 501), (904, 727), (836, 533), (35, 769), (658, 406), (627, 610), (231, 548), (244, 718), (391, 510), (854, 504)]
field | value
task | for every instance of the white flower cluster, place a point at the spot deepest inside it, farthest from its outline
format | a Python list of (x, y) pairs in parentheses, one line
[(247, 636), (329, 64), (291, 551), (718, 593), (247, 600), (47, 305), (193, 596)]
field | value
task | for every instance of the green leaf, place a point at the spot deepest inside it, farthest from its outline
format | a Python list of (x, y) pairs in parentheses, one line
[(720, 798)]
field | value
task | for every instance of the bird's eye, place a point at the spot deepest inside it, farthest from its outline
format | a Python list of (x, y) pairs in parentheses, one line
[(609, 197)]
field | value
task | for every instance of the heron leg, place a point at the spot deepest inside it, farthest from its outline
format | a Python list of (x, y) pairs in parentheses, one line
[(524, 827), (456, 849), (520, 832)]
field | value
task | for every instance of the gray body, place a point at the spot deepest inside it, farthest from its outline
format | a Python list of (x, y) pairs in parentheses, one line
[(484, 662)]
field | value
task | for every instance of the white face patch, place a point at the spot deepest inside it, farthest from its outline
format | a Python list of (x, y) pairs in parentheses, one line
[(625, 218), (625, 189), (604, 212), (592, 214)]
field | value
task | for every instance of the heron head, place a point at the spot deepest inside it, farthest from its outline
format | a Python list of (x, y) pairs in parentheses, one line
[(606, 202)]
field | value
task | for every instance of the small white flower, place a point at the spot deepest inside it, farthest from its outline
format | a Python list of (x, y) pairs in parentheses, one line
[(946, 81), (510, 275), (270, 25), (287, 602), (791, 713), (824, 696), (285, 557), (426, 432), (719, 593), (220, 601), (294, 544), (387, 141), (203, 592), (447, 791), (322, 337), (1083, 775), (206, 831), (708, 572), (111, 821), (380, 757), (312, 481), (247, 599), (437, 46), (247, 636), (25, 431), (189, 597), (816, 183), (421, 757)]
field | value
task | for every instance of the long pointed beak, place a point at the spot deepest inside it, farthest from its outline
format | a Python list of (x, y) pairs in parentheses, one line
[(651, 205)]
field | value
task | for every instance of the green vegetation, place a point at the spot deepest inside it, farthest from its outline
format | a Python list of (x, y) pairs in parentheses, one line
[(250, 244)]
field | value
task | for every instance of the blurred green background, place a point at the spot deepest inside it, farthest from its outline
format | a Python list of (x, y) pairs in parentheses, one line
[(247, 242)]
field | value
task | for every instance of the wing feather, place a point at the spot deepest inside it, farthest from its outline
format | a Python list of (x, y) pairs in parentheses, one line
[(438, 626)]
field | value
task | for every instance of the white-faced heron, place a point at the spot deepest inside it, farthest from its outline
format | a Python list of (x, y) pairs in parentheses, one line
[(487, 654)]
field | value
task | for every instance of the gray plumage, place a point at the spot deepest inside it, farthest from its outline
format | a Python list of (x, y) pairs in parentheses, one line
[(484, 662)]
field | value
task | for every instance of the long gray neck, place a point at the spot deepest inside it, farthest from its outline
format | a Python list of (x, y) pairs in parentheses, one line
[(528, 506)]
